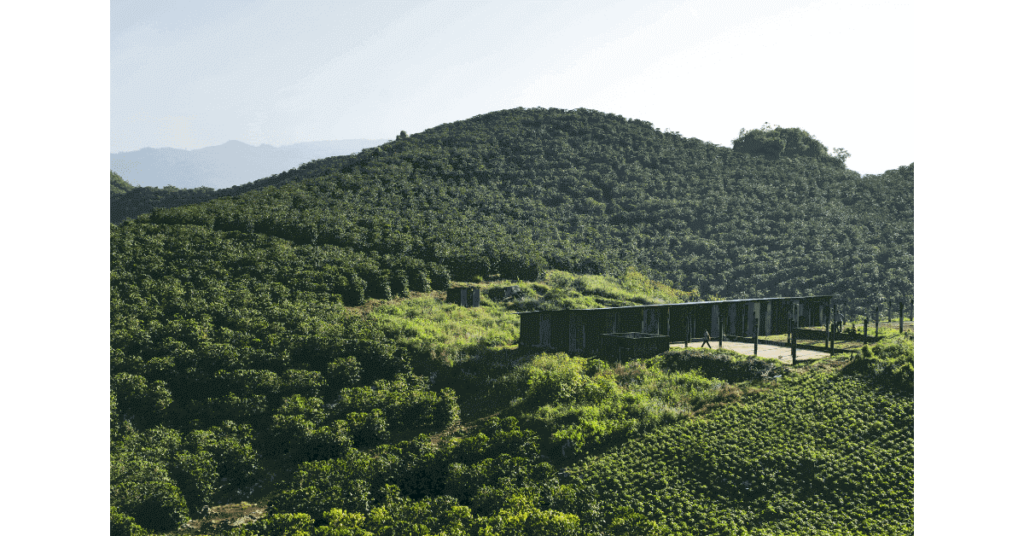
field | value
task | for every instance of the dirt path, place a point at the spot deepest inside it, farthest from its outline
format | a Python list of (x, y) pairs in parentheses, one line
[(781, 353)]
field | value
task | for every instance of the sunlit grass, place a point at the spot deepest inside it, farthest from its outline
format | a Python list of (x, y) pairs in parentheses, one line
[(447, 331), (474, 350)]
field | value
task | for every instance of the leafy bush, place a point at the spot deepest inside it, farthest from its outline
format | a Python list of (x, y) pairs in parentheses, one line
[(326, 442), (284, 525), (155, 505), (559, 385), (122, 524), (307, 383), (231, 446), (196, 475), (465, 481), (343, 372), (368, 429), (287, 435), (446, 411), (249, 382), (141, 402), (595, 366), (420, 281), (497, 436), (890, 364), (588, 434), (344, 482), (723, 364), (531, 520), (355, 292), (308, 407), (379, 285), (440, 278), (558, 378), (404, 402), (400, 283)]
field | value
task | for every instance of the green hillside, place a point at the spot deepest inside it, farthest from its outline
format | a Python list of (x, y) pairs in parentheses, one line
[(587, 192), (287, 344), (118, 185)]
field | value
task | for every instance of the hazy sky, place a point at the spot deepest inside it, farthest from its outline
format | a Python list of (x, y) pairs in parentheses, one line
[(195, 74)]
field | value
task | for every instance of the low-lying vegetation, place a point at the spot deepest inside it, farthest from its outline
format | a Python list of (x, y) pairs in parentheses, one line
[(819, 454), (890, 364), (441, 334), (414, 416)]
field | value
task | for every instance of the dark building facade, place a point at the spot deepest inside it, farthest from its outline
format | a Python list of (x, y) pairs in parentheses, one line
[(579, 331), (464, 296)]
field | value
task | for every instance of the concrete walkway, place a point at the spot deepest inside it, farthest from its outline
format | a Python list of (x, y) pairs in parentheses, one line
[(781, 353)]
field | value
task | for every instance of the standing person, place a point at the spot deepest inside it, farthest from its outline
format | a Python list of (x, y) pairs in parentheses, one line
[(707, 339)]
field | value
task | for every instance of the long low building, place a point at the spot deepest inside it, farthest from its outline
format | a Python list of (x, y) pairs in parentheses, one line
[(579, 330)]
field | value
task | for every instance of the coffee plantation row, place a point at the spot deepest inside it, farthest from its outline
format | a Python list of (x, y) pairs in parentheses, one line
[(822, 453)]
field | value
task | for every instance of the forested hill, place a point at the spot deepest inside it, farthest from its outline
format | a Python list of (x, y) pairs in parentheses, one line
[(118, 185), (514, 191)]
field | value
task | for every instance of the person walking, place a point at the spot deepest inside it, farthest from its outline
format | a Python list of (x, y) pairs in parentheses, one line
[(707, 339)]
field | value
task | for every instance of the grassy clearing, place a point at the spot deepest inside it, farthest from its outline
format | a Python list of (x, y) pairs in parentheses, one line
[(441, 335), (445, 332), (583, 403)]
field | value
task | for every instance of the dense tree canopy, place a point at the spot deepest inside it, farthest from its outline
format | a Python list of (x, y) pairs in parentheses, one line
[(777, 142), (589, 192), (118, 185)]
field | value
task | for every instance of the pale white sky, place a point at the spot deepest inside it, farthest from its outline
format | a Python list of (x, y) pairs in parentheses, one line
[(190, 74)]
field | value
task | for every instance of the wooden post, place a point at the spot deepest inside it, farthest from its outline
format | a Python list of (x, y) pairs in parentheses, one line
[(831, 329), (839, 330), (828, 325), (840, 320), (832, 325), (757, 328), (865, 328), (889, 304), (832, 343), (901, 317), (793, 336), (796, 320), (721, 329), (911, 313), (829, 336), (876, 321), (789, 334)]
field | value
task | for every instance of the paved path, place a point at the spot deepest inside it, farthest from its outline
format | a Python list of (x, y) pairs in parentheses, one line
[(781, 353)]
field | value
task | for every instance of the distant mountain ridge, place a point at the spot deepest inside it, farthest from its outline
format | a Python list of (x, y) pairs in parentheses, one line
[(222, 166)]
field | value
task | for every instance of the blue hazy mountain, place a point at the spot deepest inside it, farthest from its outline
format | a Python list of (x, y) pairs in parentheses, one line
[(225, 165)]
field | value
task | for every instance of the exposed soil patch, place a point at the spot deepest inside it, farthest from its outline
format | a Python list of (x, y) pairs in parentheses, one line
[(225, 517), (773, 351)]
